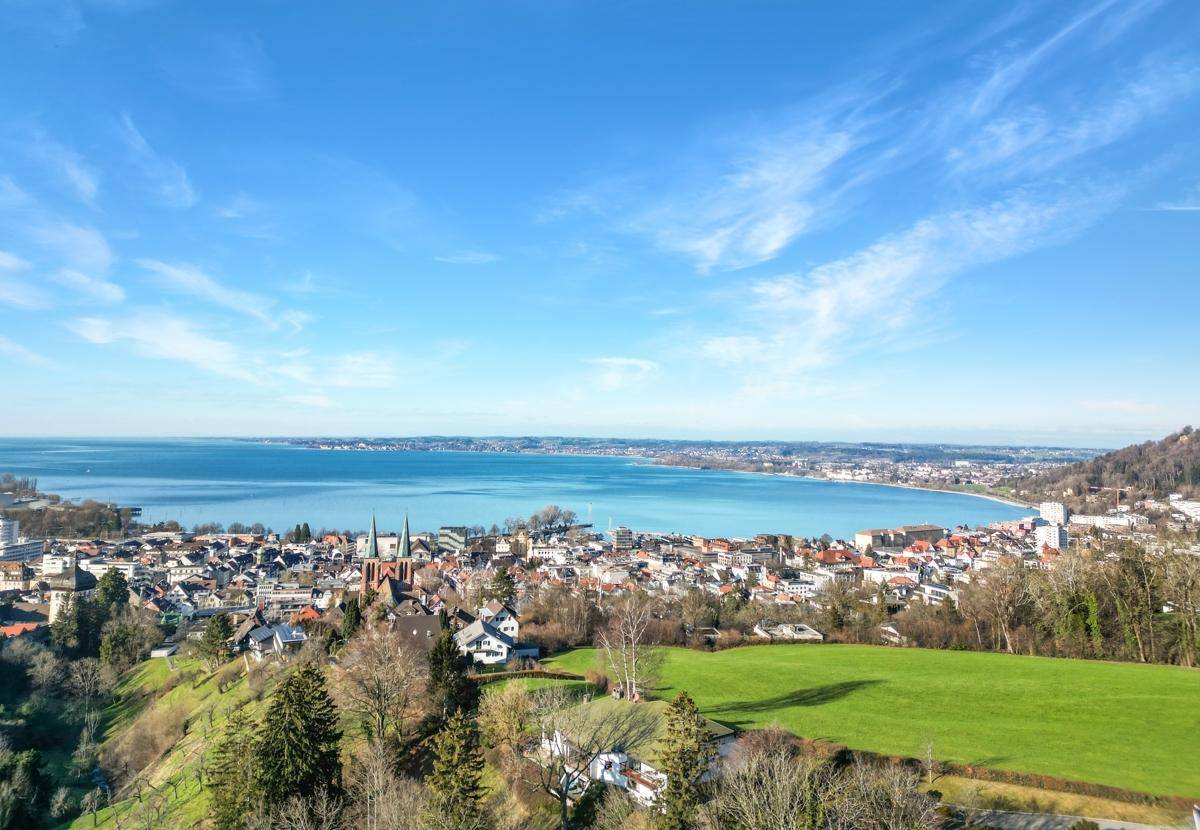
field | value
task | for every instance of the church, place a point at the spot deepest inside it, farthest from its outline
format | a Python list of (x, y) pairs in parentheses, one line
[(395, 564)]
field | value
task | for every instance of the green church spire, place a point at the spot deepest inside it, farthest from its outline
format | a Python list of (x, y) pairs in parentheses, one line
[(372, 541)]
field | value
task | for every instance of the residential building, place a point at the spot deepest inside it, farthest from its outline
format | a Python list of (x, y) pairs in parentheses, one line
[(622, 538), (1051, 535), (13, 548), (1055, 512), (453, 539)]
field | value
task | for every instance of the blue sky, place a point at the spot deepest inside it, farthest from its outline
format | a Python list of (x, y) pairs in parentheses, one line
[(889, 220)]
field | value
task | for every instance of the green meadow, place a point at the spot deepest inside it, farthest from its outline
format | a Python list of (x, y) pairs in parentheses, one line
[(1124, 725)]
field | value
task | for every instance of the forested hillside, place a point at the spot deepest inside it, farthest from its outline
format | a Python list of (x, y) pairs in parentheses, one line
[(1154, 469)]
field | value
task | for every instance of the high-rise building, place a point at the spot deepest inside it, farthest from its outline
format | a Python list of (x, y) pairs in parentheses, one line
[(622, 538), (9, 531), (1052, 536), (12, 547), (1055, 512)]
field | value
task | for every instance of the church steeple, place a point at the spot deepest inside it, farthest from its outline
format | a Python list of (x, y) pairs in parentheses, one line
[(404, 550), (372, 551)]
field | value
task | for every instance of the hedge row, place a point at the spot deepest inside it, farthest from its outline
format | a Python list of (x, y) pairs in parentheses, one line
[(484, 679)]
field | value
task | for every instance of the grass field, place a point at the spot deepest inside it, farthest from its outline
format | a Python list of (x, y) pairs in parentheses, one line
[(1124, 725)]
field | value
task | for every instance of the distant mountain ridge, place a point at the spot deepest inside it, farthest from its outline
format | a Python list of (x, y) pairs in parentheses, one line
[(1153, 469)]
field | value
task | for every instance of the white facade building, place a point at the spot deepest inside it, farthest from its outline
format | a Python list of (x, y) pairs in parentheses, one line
[(1055, 512), (622, 538), (12, 547), (1052, 535)]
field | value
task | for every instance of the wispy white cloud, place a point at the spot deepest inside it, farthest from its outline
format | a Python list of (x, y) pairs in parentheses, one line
[(239, 207), (751, 212), (192, 281), (1036, 139), (467, 258), (1012, 70), (363, 370), (811, 321), (14, 350), (163, 336), (65, 163), (167, 177), (742, 197), (296, 318), (1188, 204), (16, 289), (307, 284), (12, 262), (11, 195), (79, 246), (1126, 16), (91, 288), (223, 66), (616, 373)]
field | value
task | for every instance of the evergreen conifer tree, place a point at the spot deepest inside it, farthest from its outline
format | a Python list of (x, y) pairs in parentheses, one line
[(454, 784), (229, 772), (112, 589), (351, 618), (685, 753), (450, 690), (214, 645), (298, 743)]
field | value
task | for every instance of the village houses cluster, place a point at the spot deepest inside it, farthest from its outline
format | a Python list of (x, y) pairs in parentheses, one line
[(273, 587)]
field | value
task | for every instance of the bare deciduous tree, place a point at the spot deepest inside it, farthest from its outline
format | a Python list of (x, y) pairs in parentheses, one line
[(624, 644), (505, 717), (379, 675), (882, 797), (86, 679), (320, 811), (769, 786), (572, 732), (379, 799)]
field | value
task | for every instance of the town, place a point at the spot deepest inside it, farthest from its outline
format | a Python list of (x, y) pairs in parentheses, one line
[(300, 577), (533, 598)]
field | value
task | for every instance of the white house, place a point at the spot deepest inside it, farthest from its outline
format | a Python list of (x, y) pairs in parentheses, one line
[(621, 767), (500, 617), (492, 638), (797, 632), (277, 640)]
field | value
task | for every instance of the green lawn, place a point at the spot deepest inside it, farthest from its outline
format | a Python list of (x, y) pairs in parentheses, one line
[(1124, 725)]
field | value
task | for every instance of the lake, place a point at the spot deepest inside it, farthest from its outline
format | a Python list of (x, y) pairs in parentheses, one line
[(214, 480)]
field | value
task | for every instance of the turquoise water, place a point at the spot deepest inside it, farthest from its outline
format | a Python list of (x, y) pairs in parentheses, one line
[(194, 481)]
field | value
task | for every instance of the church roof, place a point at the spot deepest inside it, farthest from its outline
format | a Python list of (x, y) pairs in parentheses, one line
[(404, 550), (372, 551)]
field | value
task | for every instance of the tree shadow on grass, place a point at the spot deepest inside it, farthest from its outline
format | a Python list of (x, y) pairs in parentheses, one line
[(814, 696)]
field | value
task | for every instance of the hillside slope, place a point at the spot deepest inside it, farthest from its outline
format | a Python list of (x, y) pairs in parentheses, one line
[(163, 715), (1154, 469)]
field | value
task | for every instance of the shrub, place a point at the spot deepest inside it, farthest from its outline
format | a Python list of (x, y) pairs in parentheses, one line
[(154, 732), (597, 679), (228, 675)]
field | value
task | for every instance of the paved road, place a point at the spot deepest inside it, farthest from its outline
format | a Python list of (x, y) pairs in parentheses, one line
[(1044, 821)]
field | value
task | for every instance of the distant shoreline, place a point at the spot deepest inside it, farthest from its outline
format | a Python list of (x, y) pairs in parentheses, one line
[(652, 461), (988, 496)]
